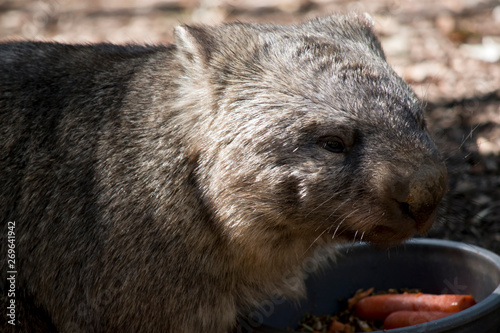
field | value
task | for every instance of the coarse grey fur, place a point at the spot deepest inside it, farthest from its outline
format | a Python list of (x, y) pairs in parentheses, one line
[(171, 188)]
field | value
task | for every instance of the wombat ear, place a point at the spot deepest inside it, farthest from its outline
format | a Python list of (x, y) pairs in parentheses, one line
[(193, 44), (351, 18), (368, 19)]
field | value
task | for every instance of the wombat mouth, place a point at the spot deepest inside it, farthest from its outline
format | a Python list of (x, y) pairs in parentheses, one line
[(423, 228), (385, 236), (383, 232)]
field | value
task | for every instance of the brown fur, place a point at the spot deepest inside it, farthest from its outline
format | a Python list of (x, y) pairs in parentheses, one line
[(171, 188)]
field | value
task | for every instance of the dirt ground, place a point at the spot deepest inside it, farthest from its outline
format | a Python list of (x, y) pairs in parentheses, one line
[(448, 50)]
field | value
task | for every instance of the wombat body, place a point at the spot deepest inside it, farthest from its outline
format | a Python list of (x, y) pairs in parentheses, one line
[(170, 188)]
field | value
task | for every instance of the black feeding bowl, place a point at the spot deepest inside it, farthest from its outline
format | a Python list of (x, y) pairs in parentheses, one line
[(433, 266)]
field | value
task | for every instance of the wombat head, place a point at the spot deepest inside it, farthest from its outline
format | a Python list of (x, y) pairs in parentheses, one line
[(305, 132)]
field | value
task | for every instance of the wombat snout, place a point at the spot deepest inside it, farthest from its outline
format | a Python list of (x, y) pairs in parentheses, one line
[(418, 194)]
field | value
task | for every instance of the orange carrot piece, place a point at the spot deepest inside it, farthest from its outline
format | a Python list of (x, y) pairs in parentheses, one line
[(338, 327), (408, 318), (359, 295), (378, 307)]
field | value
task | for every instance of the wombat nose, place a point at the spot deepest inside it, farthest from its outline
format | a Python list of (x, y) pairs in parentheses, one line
[(420, 193)]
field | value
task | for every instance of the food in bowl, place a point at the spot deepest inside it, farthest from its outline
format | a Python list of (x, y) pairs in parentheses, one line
[(366, 312)]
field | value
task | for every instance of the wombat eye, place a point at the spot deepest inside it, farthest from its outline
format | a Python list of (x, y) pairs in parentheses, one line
[(334, 145)]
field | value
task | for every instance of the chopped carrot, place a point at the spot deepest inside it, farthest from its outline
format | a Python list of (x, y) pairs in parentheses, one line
[(408, 318), (349, 329), (359, 295), (338, 327), (378, 307)]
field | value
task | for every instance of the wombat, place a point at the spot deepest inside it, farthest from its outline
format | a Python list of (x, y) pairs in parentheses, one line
[(170, 188)]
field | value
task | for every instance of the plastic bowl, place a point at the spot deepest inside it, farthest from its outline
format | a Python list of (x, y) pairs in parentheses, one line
[(431, 265)]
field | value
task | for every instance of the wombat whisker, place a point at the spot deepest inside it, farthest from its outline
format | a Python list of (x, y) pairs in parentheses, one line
[(344, 216), (464, 140), (336, 229), (336, 194), (316, 239), (339, 206), (469, 136), (343, 219), (321, 204)]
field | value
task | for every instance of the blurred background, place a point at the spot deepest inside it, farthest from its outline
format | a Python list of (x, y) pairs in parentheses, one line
[(448, 50)]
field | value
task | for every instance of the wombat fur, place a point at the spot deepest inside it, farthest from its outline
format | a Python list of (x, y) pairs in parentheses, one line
[(170, 188)]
